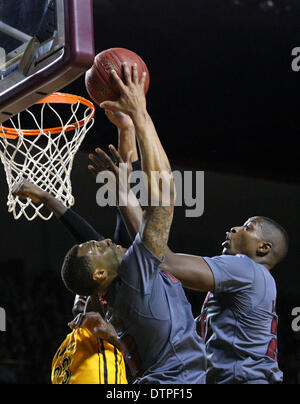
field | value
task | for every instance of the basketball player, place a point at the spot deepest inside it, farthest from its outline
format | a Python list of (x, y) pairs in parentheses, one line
[(84, 358), (148, 306), (238, 319)]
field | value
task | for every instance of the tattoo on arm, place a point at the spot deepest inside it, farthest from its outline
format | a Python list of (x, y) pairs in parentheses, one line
[(156, 228)]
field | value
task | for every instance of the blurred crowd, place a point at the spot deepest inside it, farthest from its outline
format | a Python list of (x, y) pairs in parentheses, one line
[(37, 313)]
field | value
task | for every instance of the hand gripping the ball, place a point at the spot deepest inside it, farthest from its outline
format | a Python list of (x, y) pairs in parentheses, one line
[(132, 98)]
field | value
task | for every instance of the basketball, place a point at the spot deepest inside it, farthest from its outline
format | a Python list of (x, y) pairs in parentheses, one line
[(98, 81)]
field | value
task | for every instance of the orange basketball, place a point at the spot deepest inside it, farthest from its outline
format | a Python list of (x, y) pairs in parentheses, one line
[(98, 80)]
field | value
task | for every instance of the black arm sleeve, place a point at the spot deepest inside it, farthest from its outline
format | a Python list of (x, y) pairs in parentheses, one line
[(121, 235), (83, 231), (79, 228)]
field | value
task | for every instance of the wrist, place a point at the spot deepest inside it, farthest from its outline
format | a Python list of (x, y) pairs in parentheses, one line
[(126, 127), (127, 131), (45, 197), (140, 116), (53, 204)]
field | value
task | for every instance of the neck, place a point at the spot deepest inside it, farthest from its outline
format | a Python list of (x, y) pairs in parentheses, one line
[(263, 262), (105, 287)]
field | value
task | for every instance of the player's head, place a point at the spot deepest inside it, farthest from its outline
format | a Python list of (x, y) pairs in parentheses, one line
[(90, 268), (260, 238)]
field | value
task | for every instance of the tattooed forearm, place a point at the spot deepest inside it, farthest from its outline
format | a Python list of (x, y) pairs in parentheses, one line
[(156, 228)]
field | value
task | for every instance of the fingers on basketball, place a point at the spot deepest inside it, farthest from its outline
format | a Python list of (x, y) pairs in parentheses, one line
[(118, 81), (143, 80), (127, 74), (135, 75)]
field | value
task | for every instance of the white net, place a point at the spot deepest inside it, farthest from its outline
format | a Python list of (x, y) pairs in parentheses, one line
[(45, 159)]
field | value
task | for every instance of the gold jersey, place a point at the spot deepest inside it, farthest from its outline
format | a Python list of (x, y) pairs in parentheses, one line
[(85, 359)]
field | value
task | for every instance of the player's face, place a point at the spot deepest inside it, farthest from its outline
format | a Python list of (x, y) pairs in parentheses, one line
[(243, 239), (102, 254)]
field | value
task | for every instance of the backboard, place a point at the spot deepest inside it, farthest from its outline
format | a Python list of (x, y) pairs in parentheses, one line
[(44, 46)]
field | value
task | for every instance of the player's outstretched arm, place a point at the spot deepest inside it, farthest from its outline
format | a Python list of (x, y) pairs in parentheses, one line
[(193, 271), (132, 102), (131, 211), (26, 189), (157, 218), (126, 143), (74, 223), (126, 134)]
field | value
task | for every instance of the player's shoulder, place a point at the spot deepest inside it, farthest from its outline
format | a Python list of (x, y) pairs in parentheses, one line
[(141, 252), (260, 271), (243, 258), (231, 266), (238, 259), (256, 265)]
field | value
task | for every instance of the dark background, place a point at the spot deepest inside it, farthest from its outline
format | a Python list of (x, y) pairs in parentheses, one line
[(224, 99)]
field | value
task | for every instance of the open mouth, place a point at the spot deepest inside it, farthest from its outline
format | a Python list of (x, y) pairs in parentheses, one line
[(226, 243)]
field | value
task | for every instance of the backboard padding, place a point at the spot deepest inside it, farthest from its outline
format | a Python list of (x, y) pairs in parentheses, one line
[(58, 48)]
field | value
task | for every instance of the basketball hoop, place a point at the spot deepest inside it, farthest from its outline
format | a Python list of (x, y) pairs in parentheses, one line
[(45, 155)]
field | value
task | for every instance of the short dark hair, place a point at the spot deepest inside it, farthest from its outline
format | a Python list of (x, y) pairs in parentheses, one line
[(277, 235), (77, 273)]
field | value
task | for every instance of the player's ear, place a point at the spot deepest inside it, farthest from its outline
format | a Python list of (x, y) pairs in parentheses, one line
[(264, 248), (99, 274)]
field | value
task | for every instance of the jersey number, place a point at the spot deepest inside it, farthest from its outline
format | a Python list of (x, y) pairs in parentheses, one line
[(64, 370), (272, 348)]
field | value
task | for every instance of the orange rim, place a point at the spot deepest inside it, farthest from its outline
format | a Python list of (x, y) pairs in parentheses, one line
[(55, 98)]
